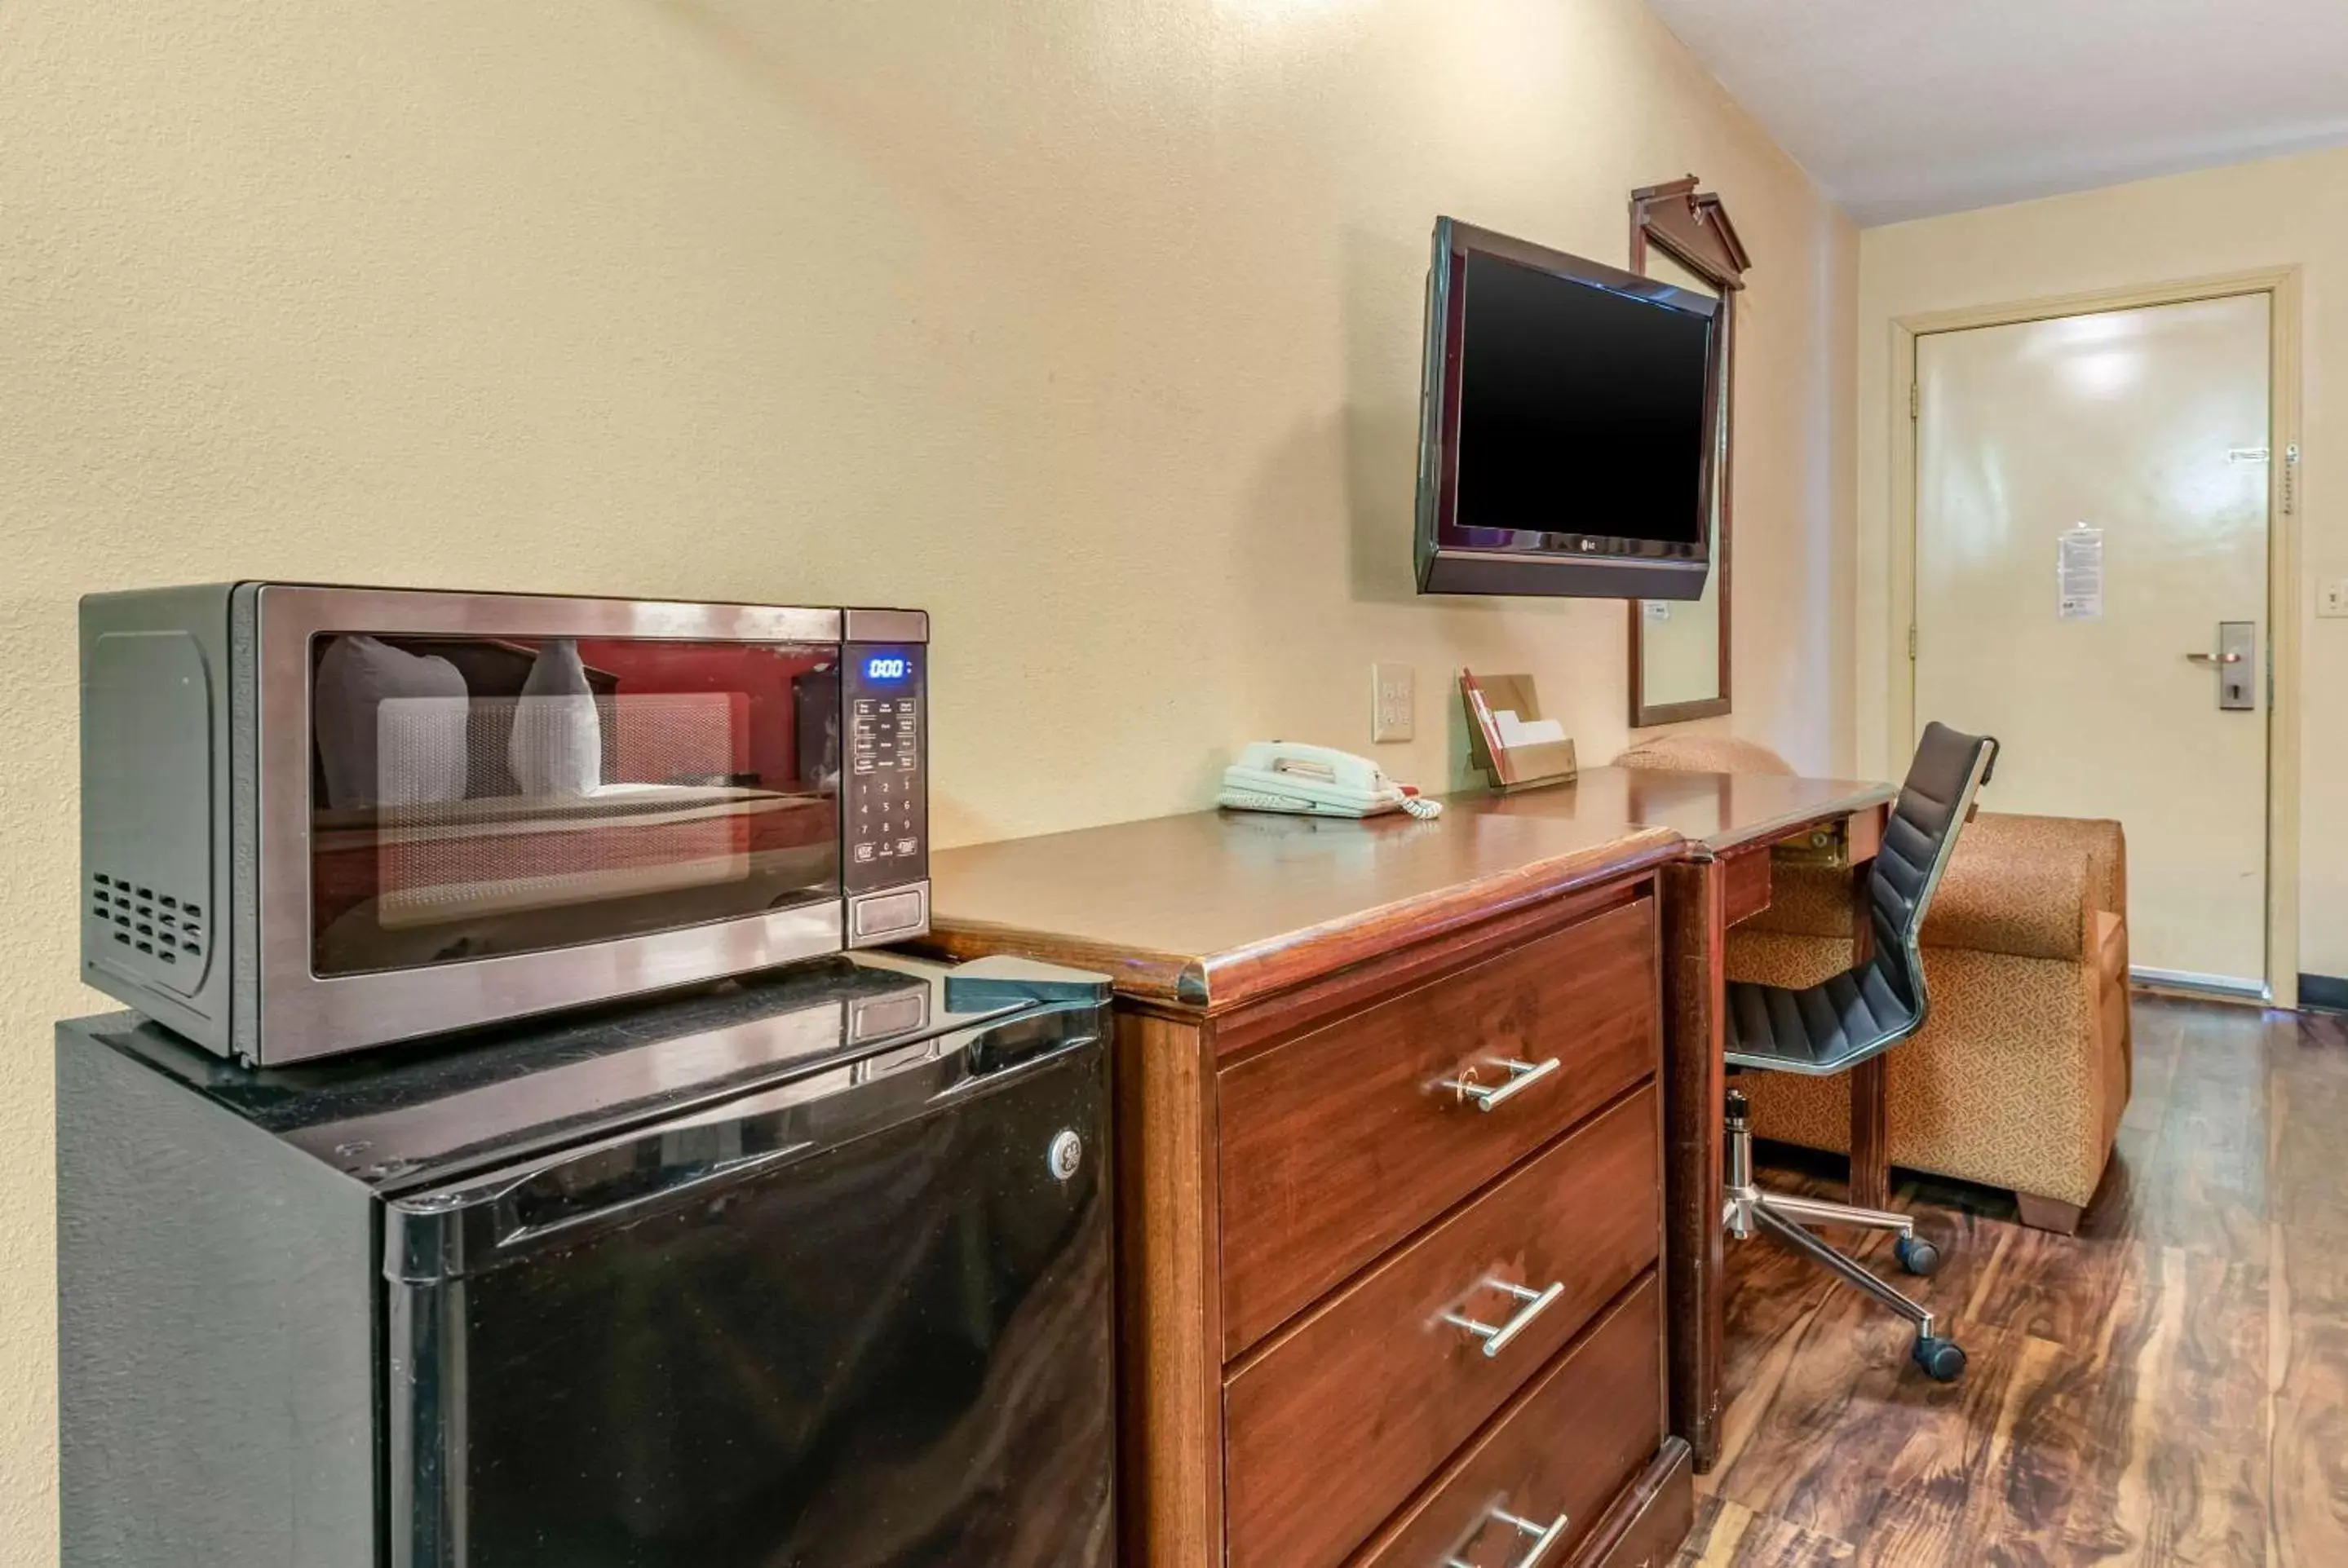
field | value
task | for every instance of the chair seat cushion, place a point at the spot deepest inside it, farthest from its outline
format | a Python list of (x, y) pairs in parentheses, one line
[(1819, 1028)]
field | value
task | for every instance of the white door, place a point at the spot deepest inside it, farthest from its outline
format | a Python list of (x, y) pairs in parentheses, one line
[(2091, 509)]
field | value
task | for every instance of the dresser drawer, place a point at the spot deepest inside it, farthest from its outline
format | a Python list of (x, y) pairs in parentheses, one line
[(1339, 1144), (1587, 1425), (1340, 1419)]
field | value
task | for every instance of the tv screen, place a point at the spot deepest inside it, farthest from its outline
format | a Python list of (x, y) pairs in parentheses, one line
[(1567, 426)]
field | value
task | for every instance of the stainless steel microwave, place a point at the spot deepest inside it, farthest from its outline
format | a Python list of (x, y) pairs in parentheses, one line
[(320, 819)]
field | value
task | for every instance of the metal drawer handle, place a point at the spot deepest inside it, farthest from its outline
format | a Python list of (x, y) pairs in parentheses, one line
[(1544, 1536), (1522, 1075), (1496, 1340)]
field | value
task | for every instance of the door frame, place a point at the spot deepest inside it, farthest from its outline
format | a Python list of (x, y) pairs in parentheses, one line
[(2281, 285)]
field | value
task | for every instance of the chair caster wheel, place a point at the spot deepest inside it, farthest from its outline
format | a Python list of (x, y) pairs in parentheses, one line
[(1916, 1254), (1941, 1358)]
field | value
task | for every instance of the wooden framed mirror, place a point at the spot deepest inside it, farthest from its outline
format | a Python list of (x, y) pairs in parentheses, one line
[(1680, 654)]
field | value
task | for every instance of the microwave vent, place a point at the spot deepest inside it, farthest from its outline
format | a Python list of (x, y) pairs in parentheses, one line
[(167, 930), (148, 756)]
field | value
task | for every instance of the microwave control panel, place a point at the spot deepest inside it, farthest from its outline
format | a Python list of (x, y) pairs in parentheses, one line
[(885, 765)]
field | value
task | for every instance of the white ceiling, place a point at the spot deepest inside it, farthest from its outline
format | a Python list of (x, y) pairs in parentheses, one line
[(1906, 107)]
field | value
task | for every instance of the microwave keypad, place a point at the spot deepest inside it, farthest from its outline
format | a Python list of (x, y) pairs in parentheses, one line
[(887, 834), (885, 752)]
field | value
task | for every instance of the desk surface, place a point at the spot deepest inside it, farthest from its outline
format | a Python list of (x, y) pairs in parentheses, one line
[(1212, 908), (1719, 810)]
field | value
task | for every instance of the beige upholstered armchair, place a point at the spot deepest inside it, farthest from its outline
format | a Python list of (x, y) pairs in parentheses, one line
[(2019, 1077)]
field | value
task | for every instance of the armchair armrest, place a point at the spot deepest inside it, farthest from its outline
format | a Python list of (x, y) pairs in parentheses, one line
[(2106, 845), (1682, 751)]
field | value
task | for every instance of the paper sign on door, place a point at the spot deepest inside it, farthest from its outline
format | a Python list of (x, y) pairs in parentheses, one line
[(2079, 574)]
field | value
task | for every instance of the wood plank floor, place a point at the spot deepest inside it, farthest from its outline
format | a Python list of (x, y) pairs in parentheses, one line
[(2169, 1387)]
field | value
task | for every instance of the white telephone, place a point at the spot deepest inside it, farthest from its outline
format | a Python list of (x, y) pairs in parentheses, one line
[(1315, 781)]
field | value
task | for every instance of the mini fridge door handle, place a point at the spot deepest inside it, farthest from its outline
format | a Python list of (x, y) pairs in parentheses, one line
[(539, 1208), (439, 1235)]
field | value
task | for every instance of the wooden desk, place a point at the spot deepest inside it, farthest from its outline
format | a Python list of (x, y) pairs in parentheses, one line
[(1733, 823), (1317, 1225), (1229, 932)]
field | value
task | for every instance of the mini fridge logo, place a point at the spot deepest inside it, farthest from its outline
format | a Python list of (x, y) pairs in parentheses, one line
[(1066, 1152)]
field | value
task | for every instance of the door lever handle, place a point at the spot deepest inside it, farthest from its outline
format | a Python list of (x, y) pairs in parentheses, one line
[(2235, 661)]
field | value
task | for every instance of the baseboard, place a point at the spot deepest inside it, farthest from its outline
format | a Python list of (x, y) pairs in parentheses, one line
[(2188, 983), (2329, 992)]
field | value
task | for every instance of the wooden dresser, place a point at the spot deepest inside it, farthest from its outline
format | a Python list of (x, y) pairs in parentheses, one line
[(1390, 1179)]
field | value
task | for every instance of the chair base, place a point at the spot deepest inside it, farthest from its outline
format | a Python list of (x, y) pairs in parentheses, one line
[(1750, 1210)]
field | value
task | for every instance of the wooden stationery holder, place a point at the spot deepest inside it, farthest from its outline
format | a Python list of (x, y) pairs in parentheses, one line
[(1511, 768)]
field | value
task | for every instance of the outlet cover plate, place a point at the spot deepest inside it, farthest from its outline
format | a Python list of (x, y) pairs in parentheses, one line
[(1394, 702)]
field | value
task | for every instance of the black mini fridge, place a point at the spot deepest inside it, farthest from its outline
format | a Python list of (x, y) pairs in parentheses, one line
[(809, 1268)]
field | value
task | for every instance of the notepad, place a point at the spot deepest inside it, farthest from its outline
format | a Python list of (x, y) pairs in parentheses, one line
[(1516, 732)]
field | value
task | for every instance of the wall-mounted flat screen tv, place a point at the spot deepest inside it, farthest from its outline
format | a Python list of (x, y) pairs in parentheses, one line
[(1567, 425)]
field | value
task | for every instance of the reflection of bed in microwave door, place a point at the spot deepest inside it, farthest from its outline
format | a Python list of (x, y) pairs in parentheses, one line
[(528, 748), (505, 856), (550, 861)]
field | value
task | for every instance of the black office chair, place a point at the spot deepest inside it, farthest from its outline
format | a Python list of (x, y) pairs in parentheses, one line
[(1862, 1013)]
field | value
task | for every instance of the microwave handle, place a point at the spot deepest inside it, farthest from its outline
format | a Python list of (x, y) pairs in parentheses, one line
[(439, 1235)]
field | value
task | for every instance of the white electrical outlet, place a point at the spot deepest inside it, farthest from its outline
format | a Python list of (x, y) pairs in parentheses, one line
[(2331, 597), (1394, 702)]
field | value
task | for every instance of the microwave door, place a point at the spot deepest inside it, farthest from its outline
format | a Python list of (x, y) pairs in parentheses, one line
[(861, 1318)]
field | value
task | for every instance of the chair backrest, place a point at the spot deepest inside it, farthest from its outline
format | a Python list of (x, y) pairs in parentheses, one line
[(1935, 799)]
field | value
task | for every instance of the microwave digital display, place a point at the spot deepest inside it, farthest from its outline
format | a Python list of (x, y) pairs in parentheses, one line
[(887, 668)]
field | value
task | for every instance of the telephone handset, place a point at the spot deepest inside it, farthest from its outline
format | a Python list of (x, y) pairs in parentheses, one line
[(1315, 781)]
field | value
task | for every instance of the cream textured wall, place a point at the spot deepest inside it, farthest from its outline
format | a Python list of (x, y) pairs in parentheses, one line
[(1092, 327), (2288, 211)]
